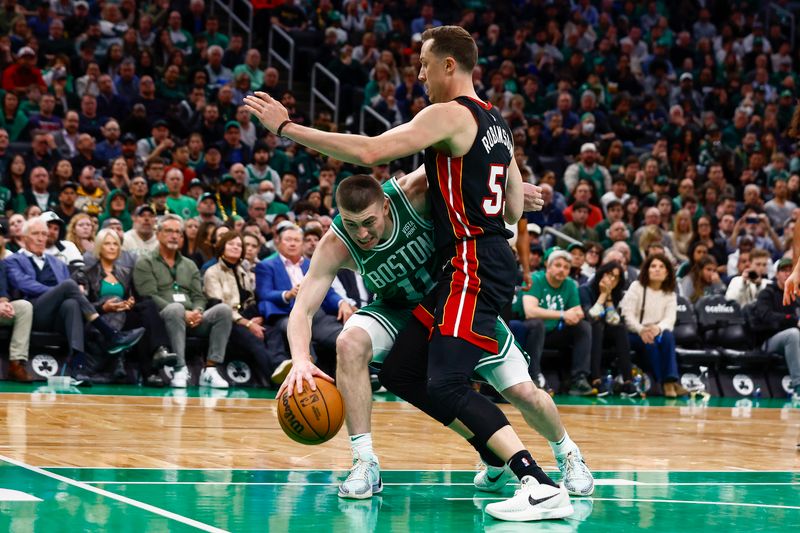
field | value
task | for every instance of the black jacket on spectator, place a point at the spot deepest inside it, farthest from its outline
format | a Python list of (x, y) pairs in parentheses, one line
[(211, 134), (49, 161), (79, 161), (112, 106), (768, 316), (94, 276), (156, 107), (92, 125)]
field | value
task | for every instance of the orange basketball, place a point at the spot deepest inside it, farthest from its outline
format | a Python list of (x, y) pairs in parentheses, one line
[(312, 417)]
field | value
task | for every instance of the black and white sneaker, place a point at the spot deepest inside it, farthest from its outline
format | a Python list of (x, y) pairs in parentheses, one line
[(533, 501)]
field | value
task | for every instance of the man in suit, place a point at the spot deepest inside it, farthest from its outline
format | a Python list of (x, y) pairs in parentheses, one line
[(277, 282), (19, 315), (45, 282), (66, 139)]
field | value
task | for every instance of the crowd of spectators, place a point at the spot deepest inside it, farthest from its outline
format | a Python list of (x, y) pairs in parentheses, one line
[(663, 135)]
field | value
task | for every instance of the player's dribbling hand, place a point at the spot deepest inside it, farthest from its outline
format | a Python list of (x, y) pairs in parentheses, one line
[(269, 111), (533, 197), (302, 372), (791, 288)]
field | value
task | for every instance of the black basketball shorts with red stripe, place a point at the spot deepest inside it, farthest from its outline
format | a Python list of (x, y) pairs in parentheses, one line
[(473, 288), (475, 285)]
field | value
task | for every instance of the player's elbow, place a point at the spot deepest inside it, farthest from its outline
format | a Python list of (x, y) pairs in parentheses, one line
[(371, 157)]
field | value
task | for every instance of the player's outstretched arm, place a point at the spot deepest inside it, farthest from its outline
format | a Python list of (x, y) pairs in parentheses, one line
[(430, 126), (330, 255)]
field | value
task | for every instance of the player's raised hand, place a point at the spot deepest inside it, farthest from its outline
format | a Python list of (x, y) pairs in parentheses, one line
[(533, 197), (269, 111), (302, 371), (791, 290)]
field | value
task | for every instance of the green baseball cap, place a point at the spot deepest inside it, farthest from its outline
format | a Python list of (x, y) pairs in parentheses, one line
[(554, 252), (158, 189)]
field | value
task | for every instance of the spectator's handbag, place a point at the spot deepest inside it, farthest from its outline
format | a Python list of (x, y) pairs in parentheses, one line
[(249, 309), (212, 302)]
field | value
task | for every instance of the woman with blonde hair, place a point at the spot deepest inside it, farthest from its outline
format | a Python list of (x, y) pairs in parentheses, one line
[(682, 233), (81, 232), (109, 287), (654, 234)]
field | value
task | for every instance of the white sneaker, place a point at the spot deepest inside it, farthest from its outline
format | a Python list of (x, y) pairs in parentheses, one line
[(280, 372), (179, 378), (363, 481), (532, 501), (575, 474), (210, 377), (493, 478)]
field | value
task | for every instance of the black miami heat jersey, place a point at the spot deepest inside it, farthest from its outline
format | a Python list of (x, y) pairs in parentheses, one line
[(467, 193)]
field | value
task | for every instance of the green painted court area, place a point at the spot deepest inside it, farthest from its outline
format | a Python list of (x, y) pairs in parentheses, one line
[(144, 500)]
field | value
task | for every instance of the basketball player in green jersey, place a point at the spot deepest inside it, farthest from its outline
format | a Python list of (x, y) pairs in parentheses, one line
[(390, 243)]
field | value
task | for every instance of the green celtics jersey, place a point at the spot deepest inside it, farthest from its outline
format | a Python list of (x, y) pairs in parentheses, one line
[(399, 270)]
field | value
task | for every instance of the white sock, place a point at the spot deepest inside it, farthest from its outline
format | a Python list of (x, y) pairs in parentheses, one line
[(564, 446), (361, 446)]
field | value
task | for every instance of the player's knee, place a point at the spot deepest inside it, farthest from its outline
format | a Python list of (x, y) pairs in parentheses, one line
[(447, 390), (526, 396), (353, 347)]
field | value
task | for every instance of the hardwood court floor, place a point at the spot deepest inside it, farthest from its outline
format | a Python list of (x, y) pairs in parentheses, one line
[(166, 463)]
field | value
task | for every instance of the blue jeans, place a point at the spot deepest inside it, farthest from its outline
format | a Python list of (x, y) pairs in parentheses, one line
[(660, 354)]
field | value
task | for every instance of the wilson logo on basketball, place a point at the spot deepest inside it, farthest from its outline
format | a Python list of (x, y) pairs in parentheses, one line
[(288, 415)]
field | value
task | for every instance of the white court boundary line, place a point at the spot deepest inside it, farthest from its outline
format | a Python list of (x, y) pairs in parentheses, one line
[(123, 499), (598, 482), (649, 500)]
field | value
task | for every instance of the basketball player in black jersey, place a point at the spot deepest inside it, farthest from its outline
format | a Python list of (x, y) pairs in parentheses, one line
[(474, 187)]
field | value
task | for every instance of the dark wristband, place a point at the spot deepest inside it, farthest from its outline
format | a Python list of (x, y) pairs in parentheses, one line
[(283, 125)]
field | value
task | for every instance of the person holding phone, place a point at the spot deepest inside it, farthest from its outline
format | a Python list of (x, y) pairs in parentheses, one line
[(744, 289), (756, 224)]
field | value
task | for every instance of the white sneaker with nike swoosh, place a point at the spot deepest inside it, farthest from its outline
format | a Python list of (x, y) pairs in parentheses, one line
[(493, 478), (533, 501)]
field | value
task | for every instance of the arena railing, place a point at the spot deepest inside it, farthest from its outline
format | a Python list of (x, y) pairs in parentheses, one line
[(316, 92), (286, 62), (230, 7)]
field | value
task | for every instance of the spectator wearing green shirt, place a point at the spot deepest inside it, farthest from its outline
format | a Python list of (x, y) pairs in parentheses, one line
[(212, 34), (252, 60), (183, 206), (554, 319), (173, 282)]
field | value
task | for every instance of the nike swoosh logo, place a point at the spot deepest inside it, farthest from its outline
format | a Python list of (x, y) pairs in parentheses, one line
[(494, 480), (533, 501), (367, 260)]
